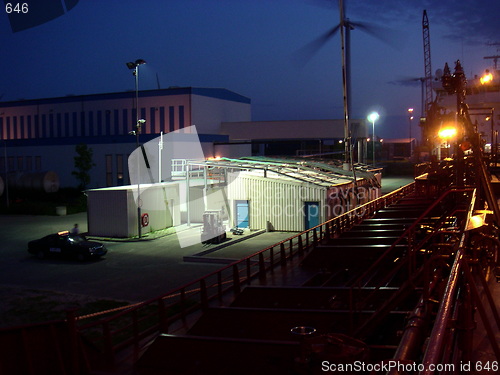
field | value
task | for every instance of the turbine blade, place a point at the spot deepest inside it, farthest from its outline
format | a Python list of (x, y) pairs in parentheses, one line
[(384, 34), (408, 81), (304, 54)]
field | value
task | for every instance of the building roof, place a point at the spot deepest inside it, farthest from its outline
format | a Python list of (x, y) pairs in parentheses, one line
[(325, 173), (218, 93)]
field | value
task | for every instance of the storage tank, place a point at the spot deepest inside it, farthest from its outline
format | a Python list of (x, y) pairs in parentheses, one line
[(40, 181)]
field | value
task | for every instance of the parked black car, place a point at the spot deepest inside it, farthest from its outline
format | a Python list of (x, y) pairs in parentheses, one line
[(64, 244)]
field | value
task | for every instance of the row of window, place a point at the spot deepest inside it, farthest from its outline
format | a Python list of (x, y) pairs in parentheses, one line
[(91, 123), (20, 163)]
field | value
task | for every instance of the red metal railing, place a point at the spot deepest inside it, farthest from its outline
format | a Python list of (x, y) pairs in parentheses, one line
[(461, 298)]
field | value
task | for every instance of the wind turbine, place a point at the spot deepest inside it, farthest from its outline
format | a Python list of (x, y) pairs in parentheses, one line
[(345, 26)]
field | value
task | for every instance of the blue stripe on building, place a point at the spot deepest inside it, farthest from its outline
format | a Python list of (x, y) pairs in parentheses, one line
[(162, 119), (181, 117), (152, 120), (30, 129), (171, 118)]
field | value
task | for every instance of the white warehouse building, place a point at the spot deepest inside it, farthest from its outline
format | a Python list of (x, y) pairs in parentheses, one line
[(31, 129)]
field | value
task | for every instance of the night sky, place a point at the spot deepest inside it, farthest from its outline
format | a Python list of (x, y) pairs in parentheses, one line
[(252, 47)]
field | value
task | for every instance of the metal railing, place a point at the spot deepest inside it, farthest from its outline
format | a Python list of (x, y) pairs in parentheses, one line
[(461, 297), (173, 312)]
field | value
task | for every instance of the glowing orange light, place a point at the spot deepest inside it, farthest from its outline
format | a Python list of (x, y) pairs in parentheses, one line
[(486, 78), (447, 132)]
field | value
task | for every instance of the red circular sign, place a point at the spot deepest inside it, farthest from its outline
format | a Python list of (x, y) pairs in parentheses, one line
[(145, 220)]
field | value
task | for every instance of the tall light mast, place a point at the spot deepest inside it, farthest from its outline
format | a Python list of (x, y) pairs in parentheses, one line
[(348, 163), (427, 63)]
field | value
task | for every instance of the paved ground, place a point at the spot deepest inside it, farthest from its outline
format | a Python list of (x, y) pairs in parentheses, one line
[(132, 271), (392, 183)]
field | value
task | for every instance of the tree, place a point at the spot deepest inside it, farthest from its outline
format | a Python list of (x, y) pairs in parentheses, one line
[(83, 164)]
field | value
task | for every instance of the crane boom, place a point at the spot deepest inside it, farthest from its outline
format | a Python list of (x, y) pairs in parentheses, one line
[(427, 63)]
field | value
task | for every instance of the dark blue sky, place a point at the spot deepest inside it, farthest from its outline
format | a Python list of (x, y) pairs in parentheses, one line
[(250, 47)]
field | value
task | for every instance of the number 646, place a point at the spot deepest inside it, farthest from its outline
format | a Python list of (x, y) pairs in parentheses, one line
[(16, 8)]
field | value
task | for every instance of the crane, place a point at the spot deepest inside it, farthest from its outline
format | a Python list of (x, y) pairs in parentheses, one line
[(496, 57)]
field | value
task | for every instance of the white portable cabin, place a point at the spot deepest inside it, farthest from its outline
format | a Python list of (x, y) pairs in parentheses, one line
[(112, 212)]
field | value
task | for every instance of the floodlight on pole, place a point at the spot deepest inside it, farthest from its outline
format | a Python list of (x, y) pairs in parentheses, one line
[(134, 66), (372, 117), (410, 118)]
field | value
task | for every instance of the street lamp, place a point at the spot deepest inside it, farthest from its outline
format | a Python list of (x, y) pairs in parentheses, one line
[(372, 117), (134, 66), (410, 118)]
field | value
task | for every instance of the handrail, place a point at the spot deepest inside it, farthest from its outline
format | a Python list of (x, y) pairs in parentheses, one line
[(438, 334)]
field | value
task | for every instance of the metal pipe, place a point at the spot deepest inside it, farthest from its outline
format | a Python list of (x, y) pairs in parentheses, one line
[(438, 335), (433, 353), (414, 333)]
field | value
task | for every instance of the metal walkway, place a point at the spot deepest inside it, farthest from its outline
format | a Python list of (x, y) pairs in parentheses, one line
[(369, 295)]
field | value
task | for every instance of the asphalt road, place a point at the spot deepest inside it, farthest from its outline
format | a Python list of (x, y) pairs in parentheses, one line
[(131, 271)]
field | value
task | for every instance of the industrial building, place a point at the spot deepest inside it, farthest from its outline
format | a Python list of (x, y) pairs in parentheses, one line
[(284, 194), (30, 129)]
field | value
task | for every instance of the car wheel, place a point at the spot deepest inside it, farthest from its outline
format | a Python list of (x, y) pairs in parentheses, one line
[(81, 257), (40, 254)]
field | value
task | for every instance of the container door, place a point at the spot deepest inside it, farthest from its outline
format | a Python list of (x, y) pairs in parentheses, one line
[(311, 214), (242, 218)]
